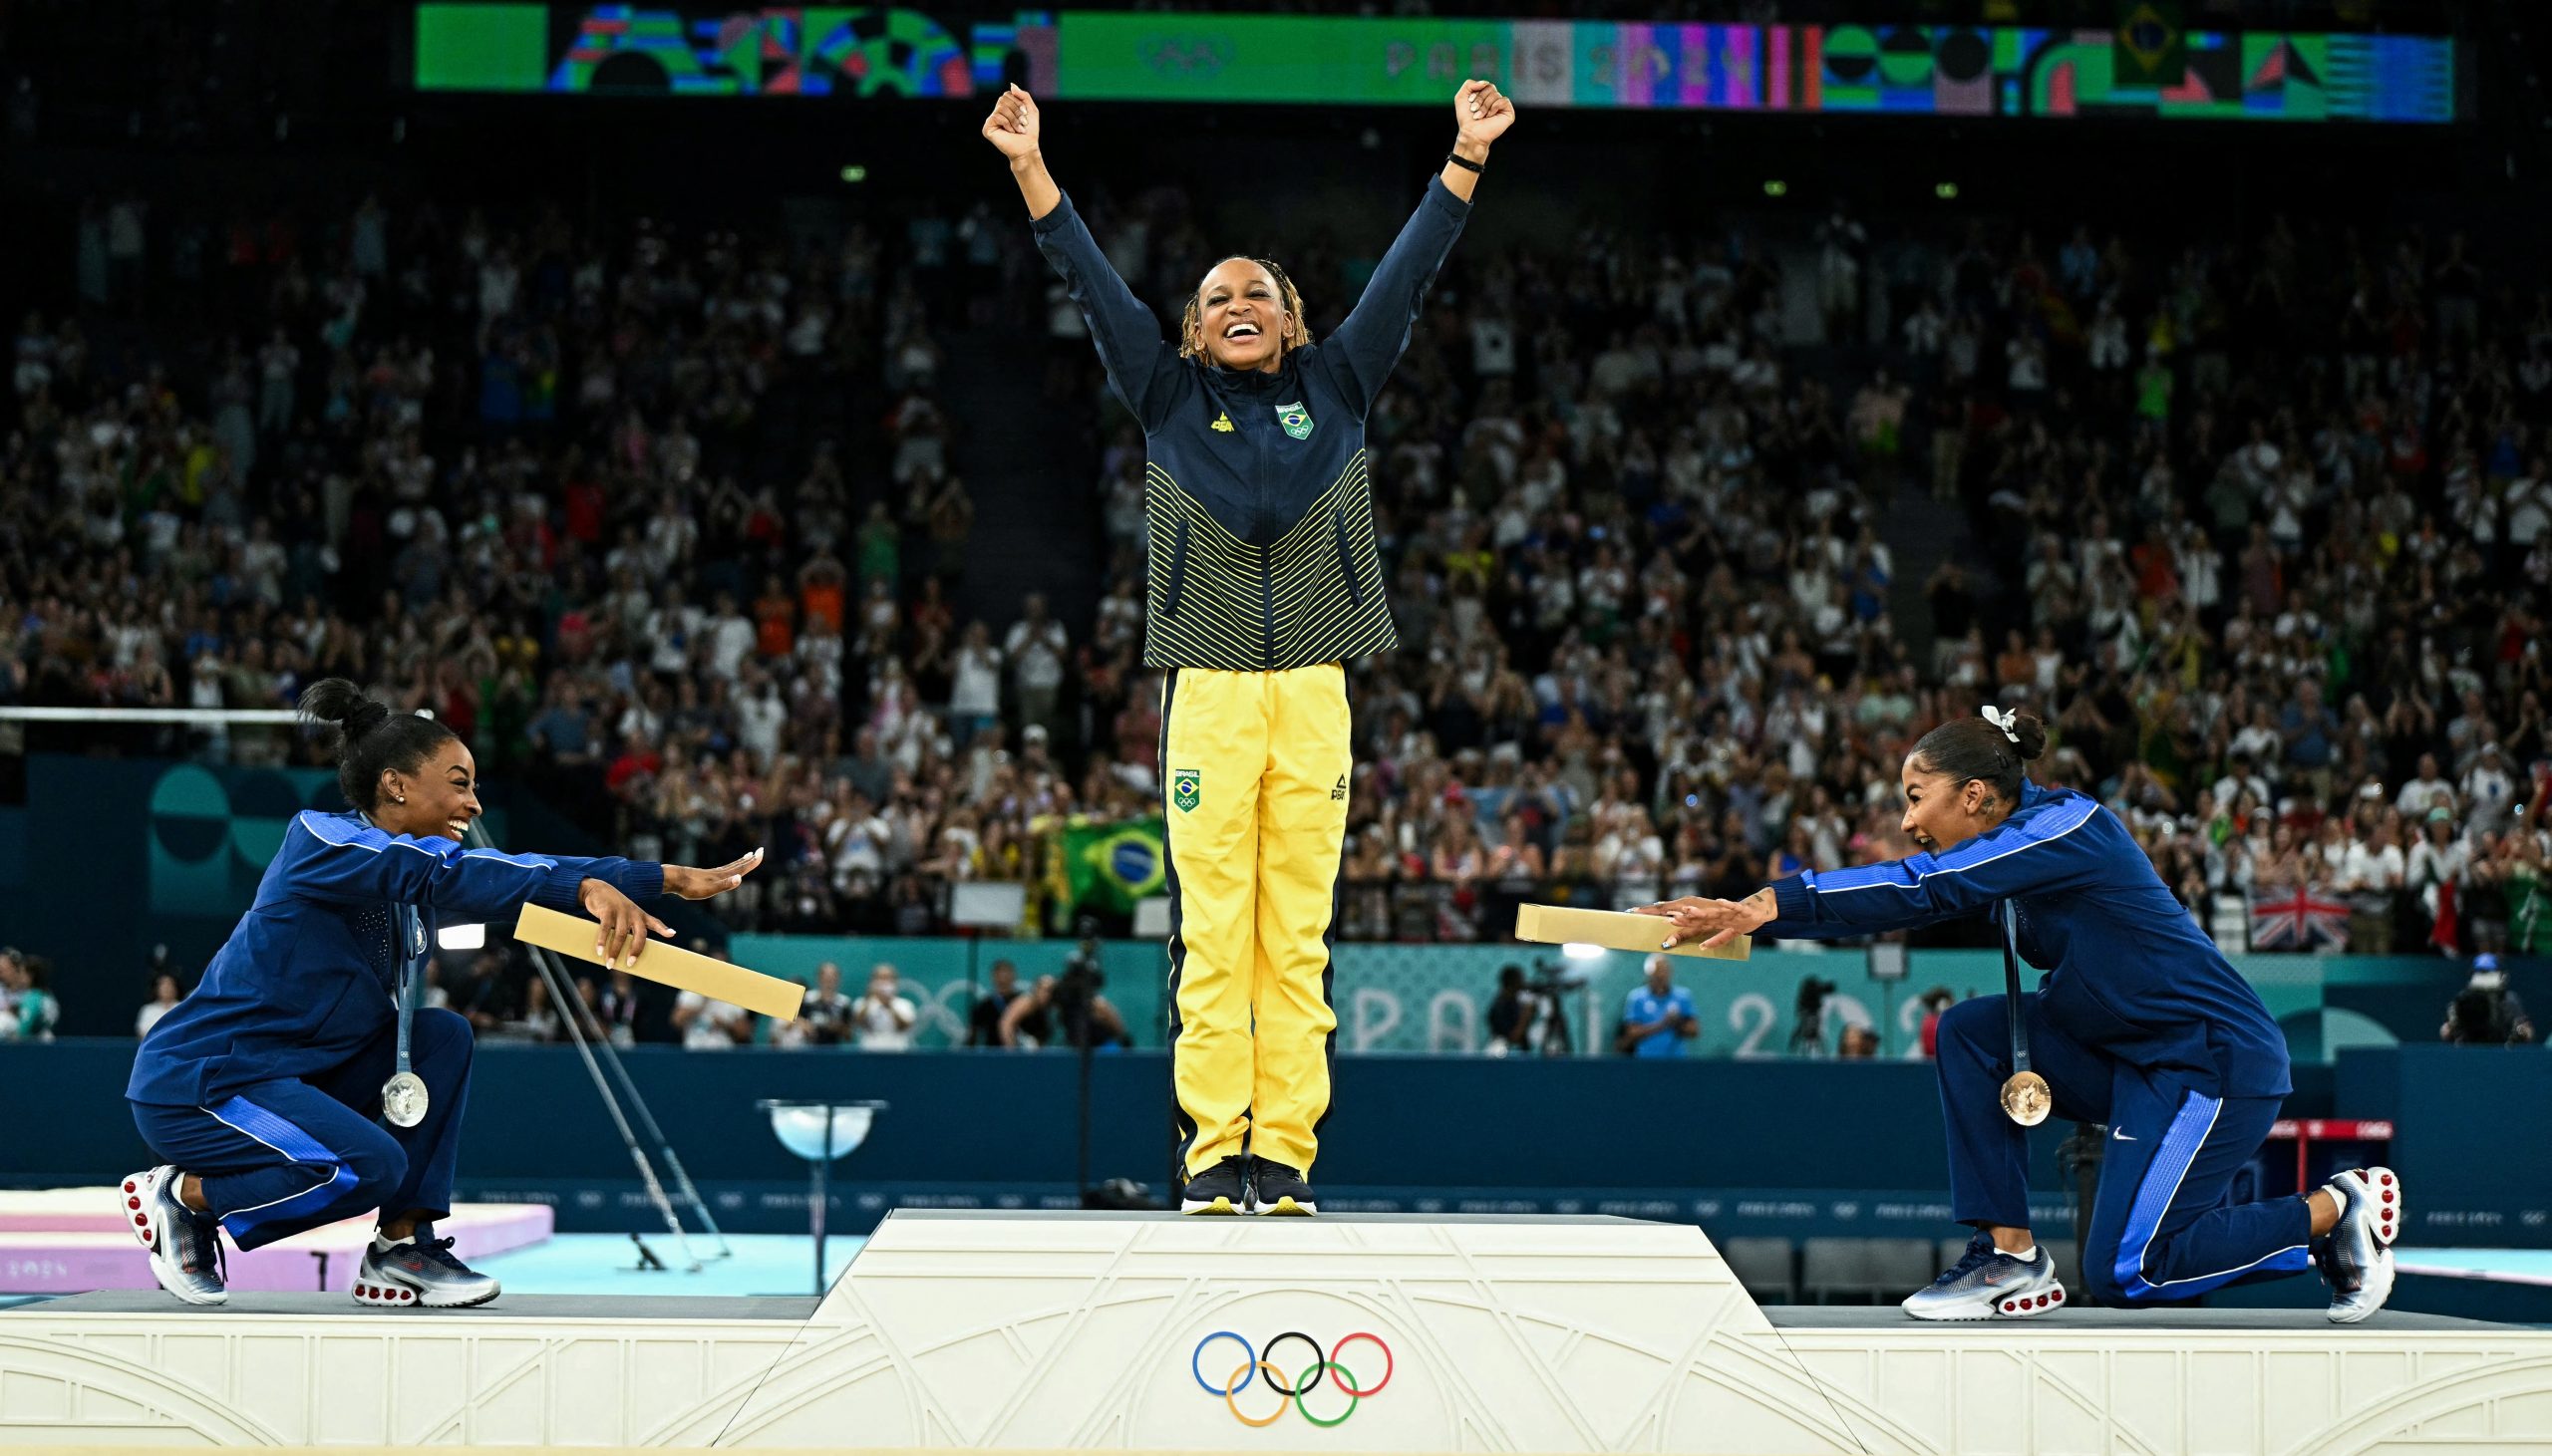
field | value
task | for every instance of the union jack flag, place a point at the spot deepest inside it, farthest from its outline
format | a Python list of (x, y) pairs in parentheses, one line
[(2293, 918)]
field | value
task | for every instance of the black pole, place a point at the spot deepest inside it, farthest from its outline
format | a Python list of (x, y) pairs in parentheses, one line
[(1080, 1158)]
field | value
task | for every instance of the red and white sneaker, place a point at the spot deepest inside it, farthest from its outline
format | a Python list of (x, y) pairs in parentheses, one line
[(2355, 1256), (1988, 1284), (419, 1273), (185, 1247)]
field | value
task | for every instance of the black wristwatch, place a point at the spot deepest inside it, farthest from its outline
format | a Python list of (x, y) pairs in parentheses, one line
[(1465, 163)]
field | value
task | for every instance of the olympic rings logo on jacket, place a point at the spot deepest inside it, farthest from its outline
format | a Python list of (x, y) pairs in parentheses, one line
[(1256, 1362)]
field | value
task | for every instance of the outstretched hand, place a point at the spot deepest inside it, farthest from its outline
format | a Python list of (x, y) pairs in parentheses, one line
[(1482, 112), (693, 884), (1013, 127), (1712, 921)]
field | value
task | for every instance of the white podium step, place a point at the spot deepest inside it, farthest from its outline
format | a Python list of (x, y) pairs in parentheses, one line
[(1119, 1330)]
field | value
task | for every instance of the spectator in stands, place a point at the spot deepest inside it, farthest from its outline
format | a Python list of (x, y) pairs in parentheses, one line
[(984, 1019), (28, 1009), (541, 1021), (827, 1017), (1935, 1002), (1049, 1005), (483, 994), (164, 994), (1037, 651), (616, 1007), (883, 1017), (1658, 1018), (1028, 1020), (2427, 791), (1511, 1014), (2486, 1013)]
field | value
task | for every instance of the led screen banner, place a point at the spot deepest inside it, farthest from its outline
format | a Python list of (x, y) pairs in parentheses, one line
[(2152, 71)]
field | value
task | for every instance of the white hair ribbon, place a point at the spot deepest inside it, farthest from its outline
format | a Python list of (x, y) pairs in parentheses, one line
[(2004, 720)]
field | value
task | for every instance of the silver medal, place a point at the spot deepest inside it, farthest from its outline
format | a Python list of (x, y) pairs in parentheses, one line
[(403, 1099)]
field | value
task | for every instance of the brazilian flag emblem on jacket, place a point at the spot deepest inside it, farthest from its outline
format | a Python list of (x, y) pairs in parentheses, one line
[(1296, 420), (1184, 789)]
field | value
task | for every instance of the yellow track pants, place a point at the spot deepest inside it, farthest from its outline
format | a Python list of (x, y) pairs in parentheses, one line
[(1254, 767)]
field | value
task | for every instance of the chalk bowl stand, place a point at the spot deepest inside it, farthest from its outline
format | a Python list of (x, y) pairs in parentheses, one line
[(820, 1130)]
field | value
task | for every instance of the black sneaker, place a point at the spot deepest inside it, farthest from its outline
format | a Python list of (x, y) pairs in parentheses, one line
[(1220, 1189), (1278, 1189)]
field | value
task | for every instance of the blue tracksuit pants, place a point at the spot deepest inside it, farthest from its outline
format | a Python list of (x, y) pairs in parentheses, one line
[(282, 1156), (2162, 1228)]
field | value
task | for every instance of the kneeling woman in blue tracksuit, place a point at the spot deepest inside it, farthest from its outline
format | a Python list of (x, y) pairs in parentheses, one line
[(261, 1092), (2139, 1024)]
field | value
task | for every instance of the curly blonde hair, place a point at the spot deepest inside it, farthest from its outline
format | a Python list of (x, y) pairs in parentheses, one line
[(1191, 324)]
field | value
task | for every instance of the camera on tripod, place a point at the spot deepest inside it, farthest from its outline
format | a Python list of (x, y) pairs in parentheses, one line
[(1550, 977), (1808, 1037), (1528, 1016)]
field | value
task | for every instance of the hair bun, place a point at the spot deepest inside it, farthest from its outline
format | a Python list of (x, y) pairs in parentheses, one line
[(366, 715)]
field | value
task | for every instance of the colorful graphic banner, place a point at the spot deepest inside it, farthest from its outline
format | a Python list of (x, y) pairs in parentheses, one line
[(2149, 68)]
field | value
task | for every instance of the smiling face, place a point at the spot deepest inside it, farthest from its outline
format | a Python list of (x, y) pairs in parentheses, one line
[(1939, 812), (1241, 317), (442, 794)]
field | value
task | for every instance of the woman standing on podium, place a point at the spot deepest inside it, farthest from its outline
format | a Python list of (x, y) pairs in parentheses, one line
[(1264, 582), (267, 1090)]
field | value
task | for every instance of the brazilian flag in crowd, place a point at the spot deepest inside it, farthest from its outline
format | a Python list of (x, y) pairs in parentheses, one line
[(1108, 866)]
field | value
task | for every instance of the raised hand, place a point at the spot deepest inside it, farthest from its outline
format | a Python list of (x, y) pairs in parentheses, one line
[(1482, 112), (691, 884), (1013, 127)]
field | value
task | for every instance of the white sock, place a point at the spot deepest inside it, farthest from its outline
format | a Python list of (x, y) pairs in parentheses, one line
[(382, 1243), (2027, 1255)]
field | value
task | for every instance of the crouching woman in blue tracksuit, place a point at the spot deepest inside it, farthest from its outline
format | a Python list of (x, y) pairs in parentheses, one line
[(2139, 1024), (261, 1092)]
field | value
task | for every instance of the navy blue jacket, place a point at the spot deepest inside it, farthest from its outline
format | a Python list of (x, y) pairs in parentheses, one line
[(1262, 553), (310, 975), (2126, 970)]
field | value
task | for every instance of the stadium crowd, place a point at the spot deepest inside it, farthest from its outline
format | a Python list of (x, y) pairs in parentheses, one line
[(667, 523)]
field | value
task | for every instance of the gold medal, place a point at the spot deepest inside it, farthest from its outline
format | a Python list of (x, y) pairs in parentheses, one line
[(402, 1100), (2026, 1098)]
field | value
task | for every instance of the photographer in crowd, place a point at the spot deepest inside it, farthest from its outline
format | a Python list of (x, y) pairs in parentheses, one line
[(885, 1017), (2486, 1013)]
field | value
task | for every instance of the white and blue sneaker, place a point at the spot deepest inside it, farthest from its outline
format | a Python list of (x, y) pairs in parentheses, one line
[(2355, 1256), (186, 1246), (419, 1273), (1988, 1284)]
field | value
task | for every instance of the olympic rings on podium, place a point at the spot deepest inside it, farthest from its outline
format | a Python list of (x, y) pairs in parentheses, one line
[(1257, 1361)]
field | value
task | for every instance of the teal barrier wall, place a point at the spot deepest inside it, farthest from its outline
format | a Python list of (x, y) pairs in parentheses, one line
[(1434, 999)]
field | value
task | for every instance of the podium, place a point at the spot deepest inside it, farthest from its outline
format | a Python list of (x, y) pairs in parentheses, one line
[(1121, 1331)]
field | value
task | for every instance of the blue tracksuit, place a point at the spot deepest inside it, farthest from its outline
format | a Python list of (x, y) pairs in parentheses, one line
[(266, 1080), (2139, 1022)]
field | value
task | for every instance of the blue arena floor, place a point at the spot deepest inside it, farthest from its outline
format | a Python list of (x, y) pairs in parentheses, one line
[(608, 1264)]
